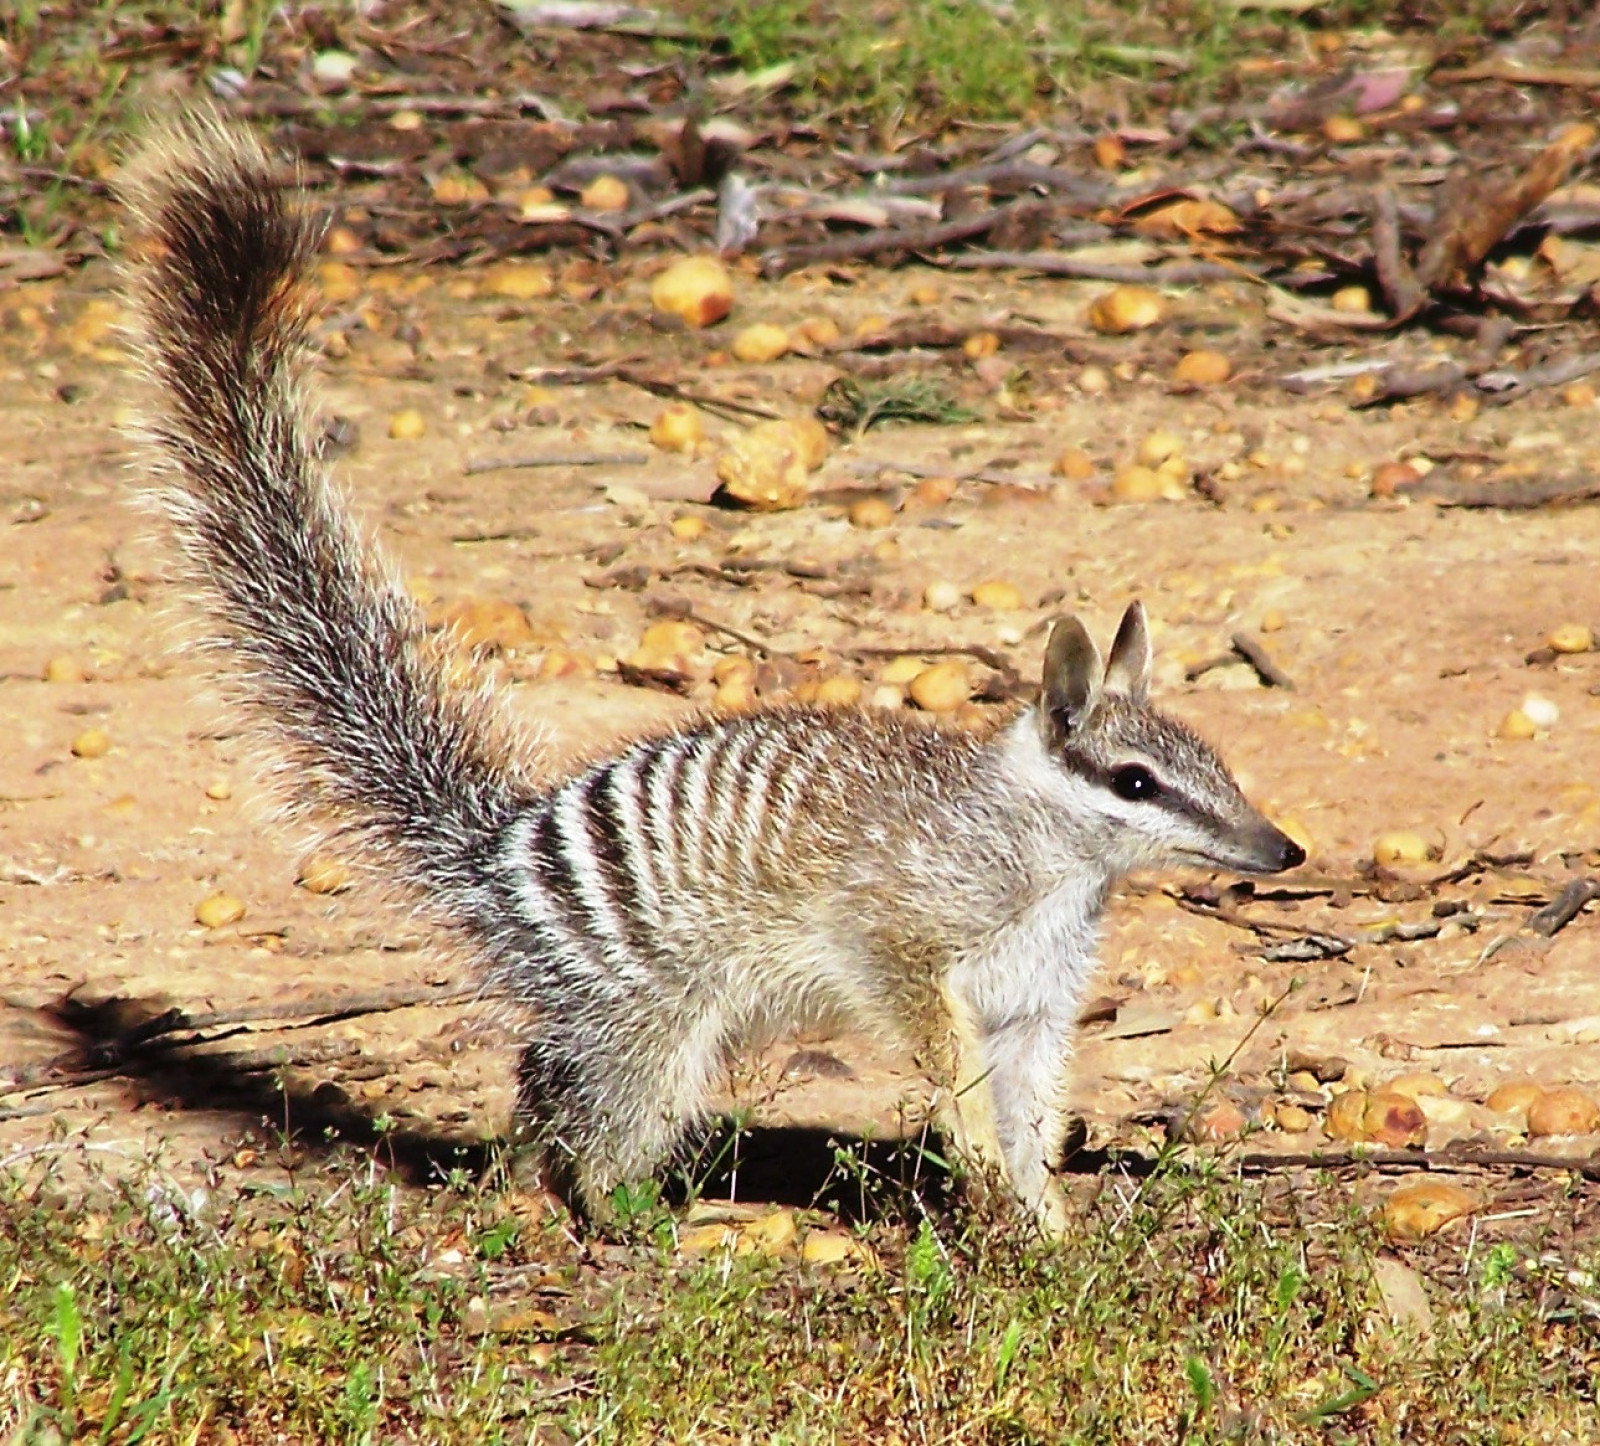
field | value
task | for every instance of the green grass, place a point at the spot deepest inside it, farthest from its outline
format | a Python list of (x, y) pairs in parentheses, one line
[(333, 1304)]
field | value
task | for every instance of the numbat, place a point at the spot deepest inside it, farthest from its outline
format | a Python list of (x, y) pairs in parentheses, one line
[(698, 892)]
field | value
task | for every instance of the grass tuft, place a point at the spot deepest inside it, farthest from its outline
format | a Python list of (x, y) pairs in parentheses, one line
[(335, 1304)]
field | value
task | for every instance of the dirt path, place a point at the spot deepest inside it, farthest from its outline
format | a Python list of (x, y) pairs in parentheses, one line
[(1405, 628)]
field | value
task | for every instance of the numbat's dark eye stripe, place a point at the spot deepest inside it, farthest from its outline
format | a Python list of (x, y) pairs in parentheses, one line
[(1134, 782)]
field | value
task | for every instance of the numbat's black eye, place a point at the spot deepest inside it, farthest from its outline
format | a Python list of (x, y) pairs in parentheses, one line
[(1133, 781)]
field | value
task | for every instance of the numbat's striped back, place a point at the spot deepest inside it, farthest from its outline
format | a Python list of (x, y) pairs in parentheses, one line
[(697, 892)]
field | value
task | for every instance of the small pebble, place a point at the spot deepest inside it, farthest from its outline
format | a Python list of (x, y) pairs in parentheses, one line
[(696, 289), (1124, 309), (980, 344), (1421, 1208), (1202, 369), (735, 695), (940, 596), (560, 663), (1074, 464), (698, 1240), (493, 623), (871, 512), (1354, 299), (1563, 1111), (321, 874), (888, 697), (518, 282), (669, 646), (1000, 596), (942, 688), (902, 669), (1517, 726), (1578, 394), (836, 1247), (66, 669), (1217, 1121), (1158, 447), (1343, 130), (1387, 1119), (1541, 711), (91, 743), (1417, 1086), (1389, 478), (604, 193), (819, 331), (219, 789), (1272, 621), (1202, 1011), (934, 491), (1293, 1119), (689, 528), (1093, 381), (1568, 638), (776, 1233), (1517, 1096), (763, 341), (219, 909), (1400, 846), (677, 427), (408, 425), (839, 691), (333, 69)]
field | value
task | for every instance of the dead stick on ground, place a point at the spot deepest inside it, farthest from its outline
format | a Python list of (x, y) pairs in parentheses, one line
[(866, 467), (1054, 263), (1251, 649), (1417, 1160), (1399, 282), (1565, 907), (559, 459), (784, 259), (1397, 382), (1502, 385), (1511, 496)]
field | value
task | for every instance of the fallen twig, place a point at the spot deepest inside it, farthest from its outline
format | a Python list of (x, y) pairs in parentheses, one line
[(1405, 294), (1008, 172), (1056, 263), (1253, 651), (1399, 380), (1564, 908), (1502, 385), (558, 459), (1265, 1163), (1518, 496), (784, 259)]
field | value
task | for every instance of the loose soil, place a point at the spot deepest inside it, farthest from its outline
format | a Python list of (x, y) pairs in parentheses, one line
[(1406, 628)]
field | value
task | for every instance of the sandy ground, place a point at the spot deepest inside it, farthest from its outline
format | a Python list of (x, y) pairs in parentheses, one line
[(1406, 629)]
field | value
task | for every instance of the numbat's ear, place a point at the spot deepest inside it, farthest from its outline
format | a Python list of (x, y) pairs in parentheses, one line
[(1072, 680), (1128, 667)]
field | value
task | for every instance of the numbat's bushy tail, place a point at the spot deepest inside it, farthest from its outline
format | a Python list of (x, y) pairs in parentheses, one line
[(698, 892)]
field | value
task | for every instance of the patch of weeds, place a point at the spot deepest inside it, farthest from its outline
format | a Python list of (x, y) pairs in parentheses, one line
[(856, 406), (331, 1309), (1195, 1306), (339, 1305)]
